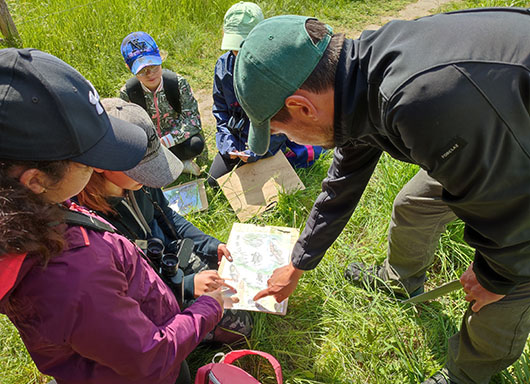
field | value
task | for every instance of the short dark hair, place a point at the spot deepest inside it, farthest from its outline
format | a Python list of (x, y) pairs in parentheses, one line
[(323, 76)]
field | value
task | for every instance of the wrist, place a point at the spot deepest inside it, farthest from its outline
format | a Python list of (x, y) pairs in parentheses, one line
[(297, 273)]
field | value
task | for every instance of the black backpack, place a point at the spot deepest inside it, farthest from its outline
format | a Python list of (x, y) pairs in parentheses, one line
[(171, 88)]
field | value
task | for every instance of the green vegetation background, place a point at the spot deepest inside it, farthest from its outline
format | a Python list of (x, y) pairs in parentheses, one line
[(333, 332)]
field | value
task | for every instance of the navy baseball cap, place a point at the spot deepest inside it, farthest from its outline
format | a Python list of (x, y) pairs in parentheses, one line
[(49, 111), (139, 50)]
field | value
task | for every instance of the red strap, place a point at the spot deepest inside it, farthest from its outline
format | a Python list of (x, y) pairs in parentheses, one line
[(234, 355), (9, 268), (310, 153)]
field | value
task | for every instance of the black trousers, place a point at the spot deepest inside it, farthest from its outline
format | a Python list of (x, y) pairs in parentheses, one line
[(190, 148), (221, 166)]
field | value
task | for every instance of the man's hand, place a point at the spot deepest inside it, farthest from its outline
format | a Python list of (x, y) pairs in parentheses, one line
[(209, 281), (223, 251), (282, 283), (476, 292)]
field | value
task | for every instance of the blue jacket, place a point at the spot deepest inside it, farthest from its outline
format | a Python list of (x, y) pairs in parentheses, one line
[(225, 106)]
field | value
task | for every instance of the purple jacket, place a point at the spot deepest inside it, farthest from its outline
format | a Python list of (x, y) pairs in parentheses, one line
[(99, 314)]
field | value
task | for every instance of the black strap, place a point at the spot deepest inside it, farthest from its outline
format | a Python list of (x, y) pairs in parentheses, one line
[(171, 88), (161, 211), (135, 92), (82, 220)]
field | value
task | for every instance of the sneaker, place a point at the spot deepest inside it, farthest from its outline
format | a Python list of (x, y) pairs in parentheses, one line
[(191, 168), (370, 277), (363, 276), (438, 378), (235, 327)]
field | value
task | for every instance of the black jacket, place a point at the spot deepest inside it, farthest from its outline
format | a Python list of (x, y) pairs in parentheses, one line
[(451, 93)]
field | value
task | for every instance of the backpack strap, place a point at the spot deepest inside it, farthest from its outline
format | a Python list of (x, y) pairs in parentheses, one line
[(135, 92), (172, 90), (232, 356), (82, 220)]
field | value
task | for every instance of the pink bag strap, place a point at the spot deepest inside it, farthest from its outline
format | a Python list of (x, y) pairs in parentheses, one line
[(234, 355), (310, 153)]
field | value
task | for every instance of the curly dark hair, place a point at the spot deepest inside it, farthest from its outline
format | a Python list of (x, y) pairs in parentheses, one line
[(28, 223)]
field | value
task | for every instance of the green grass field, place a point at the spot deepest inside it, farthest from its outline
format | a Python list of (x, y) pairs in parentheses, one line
[(333, 332)]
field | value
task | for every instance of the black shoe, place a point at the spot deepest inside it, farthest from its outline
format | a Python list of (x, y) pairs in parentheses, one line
[(438, 378), (370, 277), (363, 276)]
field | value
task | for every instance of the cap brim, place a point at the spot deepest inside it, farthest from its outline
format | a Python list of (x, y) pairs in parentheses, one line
[(232, 42), (145, 61), (259, 137), (158, 171), (121, 148)]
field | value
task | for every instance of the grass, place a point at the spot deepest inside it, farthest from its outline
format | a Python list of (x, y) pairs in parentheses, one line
[(333, 332)]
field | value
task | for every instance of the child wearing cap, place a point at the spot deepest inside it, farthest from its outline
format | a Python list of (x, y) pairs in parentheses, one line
[(86, 304), (232, 122), (134, 204), (166, 96)]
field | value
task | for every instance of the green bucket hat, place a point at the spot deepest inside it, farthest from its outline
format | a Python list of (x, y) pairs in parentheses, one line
[(274, 61), (238, 22)]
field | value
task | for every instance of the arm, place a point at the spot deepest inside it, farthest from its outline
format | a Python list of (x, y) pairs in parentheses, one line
[(347, 178), (190, 118), (145, 335), (223, 89), (342, 189), (205, 245)]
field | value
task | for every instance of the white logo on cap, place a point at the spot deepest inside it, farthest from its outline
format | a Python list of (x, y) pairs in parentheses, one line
[(93, 97)]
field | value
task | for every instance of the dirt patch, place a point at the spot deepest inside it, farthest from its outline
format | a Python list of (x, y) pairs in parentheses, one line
[(410, 12), (205, 100)]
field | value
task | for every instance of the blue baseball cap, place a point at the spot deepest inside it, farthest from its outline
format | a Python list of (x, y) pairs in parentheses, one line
[(139, 50)]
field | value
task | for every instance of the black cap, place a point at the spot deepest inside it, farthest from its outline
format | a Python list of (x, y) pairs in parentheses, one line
[(49, 111)]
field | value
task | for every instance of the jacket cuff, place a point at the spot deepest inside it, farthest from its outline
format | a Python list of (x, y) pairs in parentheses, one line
[(189, 287)]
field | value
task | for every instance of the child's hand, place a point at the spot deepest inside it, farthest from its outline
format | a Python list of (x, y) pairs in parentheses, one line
[(224, 300), (239, 155), (223, 251), (209, 281)]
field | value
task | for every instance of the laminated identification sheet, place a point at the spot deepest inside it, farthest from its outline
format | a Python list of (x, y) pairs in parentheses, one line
[(257, 251)]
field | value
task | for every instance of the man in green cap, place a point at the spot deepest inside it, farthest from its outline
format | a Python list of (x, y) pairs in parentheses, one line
[(448, 92)]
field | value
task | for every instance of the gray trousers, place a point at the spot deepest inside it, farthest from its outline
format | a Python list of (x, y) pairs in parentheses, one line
[(489, 340)]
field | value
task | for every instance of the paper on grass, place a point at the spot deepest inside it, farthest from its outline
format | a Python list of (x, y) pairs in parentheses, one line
[(187, 197), (257, 251), (253, 188)]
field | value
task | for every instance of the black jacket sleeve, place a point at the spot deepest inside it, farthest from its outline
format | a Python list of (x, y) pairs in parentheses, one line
[(352, 167)]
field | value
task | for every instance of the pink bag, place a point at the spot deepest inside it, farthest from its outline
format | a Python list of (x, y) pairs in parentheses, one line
[(224, 372)]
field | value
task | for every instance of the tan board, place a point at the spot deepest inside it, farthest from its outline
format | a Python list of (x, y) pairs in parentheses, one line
[(252, 188)]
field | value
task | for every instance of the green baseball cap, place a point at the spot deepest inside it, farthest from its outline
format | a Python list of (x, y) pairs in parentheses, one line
[(238, 22), (274, 61)]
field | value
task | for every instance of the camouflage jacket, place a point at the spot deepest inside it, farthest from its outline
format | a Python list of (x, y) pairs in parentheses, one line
[(166, 119)]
